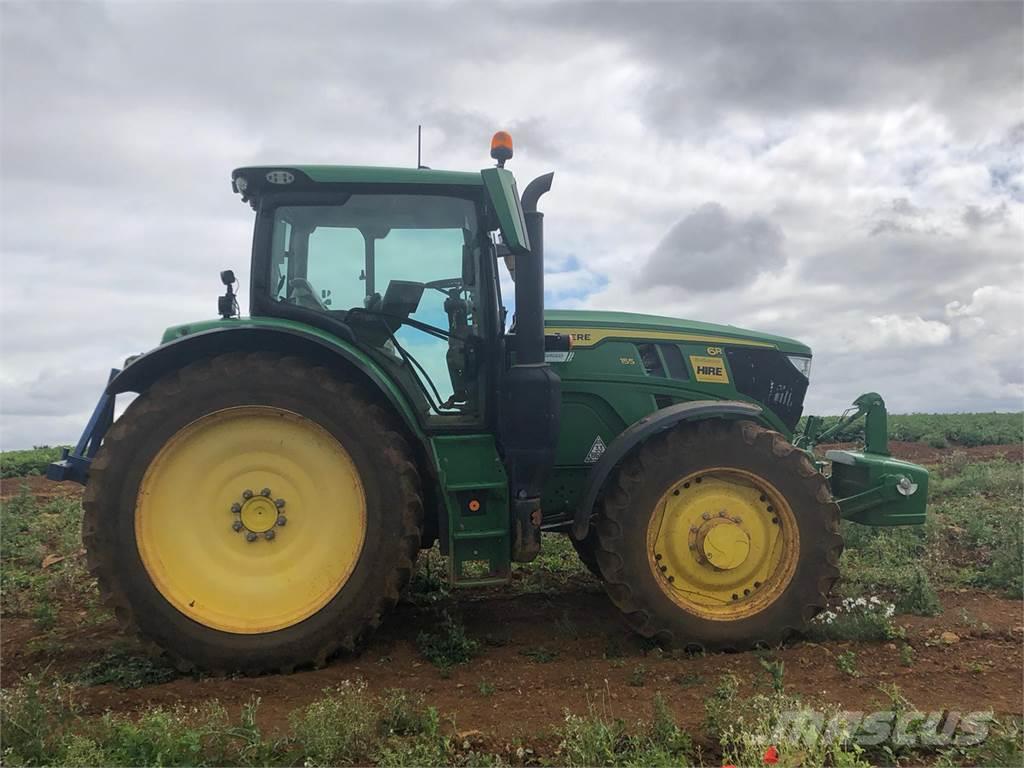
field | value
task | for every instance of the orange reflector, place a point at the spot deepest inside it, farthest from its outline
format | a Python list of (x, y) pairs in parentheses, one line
[(474, 506)]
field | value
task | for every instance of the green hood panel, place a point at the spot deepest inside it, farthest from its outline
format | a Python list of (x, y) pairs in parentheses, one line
[(590, 327)]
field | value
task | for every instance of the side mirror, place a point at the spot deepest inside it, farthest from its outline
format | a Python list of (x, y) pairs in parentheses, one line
[(227, 305)]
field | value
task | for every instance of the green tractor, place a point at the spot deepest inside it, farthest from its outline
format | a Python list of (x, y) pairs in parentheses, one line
[(260, 504)]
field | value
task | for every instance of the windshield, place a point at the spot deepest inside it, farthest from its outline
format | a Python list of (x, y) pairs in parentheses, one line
[(379, 260)]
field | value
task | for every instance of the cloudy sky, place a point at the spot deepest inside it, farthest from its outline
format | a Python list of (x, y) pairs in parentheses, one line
[(848, 174)]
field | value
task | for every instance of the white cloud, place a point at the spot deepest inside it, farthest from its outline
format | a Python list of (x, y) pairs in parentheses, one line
[(121, 122)]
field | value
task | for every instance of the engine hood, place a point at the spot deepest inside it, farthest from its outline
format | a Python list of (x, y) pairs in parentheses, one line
[(588, 328)]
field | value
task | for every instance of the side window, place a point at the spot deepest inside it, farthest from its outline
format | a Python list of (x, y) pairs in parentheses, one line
[(344, 256), (335, 265), (433, 257)]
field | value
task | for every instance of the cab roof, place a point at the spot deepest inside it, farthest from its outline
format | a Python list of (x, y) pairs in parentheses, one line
[(251, 181)]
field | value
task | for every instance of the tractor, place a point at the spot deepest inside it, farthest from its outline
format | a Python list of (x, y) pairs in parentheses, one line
[(260, 503)]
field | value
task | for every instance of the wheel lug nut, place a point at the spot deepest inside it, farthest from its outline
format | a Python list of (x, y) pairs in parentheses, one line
[(693, 529), (706, 515), (735, 596), (671, 579), (237, 525), (721, 513), (281, 519), (279, 503), (265, 492), (657, 556), (236, 507), (737, 519), (663, 568), (269, 535), (250, 536), (246, 494)]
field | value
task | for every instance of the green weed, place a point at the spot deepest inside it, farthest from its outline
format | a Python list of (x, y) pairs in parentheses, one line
[(338, 729), (920, 599), (448, 645), (638, 677), (776, 670), (540, 654), (907, 655), (846, 662), (600, 740), (126, 670)]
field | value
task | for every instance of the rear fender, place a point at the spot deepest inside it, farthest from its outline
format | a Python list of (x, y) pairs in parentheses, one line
[(642, 430), (318, 347)]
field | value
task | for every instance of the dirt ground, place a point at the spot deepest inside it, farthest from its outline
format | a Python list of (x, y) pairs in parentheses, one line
[(980, 671), (595, 662)]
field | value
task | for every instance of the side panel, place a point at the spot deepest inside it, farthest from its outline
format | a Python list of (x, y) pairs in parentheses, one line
[(610, 385)]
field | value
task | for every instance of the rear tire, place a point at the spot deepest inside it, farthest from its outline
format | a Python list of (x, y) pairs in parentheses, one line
[(333, 419), (633, 550)]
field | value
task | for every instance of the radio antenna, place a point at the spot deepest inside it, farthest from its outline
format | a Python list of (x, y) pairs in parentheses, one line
[(419, 146)]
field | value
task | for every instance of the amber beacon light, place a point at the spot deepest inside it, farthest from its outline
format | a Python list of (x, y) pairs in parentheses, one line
[(501, 147)]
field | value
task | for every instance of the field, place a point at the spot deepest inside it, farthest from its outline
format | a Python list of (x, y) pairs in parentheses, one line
[(926, 626)]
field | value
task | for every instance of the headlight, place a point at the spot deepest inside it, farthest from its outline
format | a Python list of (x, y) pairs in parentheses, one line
[(802, 364)]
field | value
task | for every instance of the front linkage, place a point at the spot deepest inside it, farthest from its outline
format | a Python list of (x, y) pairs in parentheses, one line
[(74, 463), (870, 486)]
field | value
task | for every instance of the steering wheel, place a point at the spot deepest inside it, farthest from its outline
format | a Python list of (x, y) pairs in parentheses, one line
[(445, 284), (302, 292)]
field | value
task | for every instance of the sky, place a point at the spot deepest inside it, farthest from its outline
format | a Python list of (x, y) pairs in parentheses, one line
[(848, 174)]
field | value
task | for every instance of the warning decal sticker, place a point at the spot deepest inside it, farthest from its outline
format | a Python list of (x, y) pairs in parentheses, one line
[(595, 450)]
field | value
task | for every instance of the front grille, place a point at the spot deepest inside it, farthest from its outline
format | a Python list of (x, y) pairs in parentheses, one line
[(769, 378)]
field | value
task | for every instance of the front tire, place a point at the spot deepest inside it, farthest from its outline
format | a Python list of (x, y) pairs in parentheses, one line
[(722, 536), (252, 512)]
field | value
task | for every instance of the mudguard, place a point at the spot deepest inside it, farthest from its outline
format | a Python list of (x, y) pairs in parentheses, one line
[(274, 336), (244, 336), (632, 436)]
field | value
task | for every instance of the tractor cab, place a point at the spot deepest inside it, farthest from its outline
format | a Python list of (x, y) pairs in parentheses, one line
[(401, 261)]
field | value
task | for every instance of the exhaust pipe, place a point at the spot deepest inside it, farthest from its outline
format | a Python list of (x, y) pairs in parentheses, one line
[(531, 391), (530, 278)]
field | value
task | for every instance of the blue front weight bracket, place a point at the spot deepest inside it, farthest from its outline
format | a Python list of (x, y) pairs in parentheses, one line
[(74, 464)]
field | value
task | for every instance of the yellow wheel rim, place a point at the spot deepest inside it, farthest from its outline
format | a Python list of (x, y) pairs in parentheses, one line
[(250, 519), (723, 543)]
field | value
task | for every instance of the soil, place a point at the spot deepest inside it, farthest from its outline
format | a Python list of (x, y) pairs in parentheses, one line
[(595, 661), (920, 453)]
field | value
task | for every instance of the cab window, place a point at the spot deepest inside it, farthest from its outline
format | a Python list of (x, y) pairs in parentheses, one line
[(381, 261)]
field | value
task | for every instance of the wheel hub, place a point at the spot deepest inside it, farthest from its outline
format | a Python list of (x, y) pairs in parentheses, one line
[(724, 544), (257, 514)]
